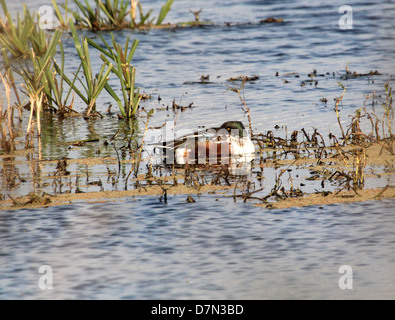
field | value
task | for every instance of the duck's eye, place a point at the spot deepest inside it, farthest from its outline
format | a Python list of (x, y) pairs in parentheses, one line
[(228, 128)]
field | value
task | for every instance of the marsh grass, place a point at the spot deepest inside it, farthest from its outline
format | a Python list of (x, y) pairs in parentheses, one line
[(34, 89), (111, 14), (121, 58), (40, 83), (164, 11), (388, 116), (57, 97), (20, 37), (62, 21), (93, 85), (356, 138), (115, 11), (381, 126), (7, 139), (43, 76), (10, 78), (15, 37), (338, 100)]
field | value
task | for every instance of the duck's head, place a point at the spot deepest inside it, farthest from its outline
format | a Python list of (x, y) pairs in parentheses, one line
[(235, 128)]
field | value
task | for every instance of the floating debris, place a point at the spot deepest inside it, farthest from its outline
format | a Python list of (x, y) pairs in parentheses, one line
[(203, 80), (271, 20), (350, 75), (176, 106), (242, 78)]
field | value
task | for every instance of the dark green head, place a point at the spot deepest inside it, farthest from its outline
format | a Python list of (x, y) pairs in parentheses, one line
[(235, 128)]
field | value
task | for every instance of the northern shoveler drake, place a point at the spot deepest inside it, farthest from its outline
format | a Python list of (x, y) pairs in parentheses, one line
[(223, 144)]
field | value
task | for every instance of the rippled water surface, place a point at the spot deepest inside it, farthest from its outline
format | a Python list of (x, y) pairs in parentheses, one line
[(142, 248), (145, 249)]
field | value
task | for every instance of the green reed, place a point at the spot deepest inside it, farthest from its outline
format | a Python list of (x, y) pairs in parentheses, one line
[(63, 22), (38, 82), (93, 85), (44, 76), (121, 58), (111, 14), (54, 81), (115, 11), (164, 11), (16, 37), (86, 15), (20, 37)]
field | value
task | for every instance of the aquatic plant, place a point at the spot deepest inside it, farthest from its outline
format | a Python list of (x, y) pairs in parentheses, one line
[(116, 12), (240, 92), (15, 38), (145, 20), (62, 22), (34, 87), (121, 58), (112, 14), (93, 84), (7, 141), (107, 14), (85, 15), (355, 135), (387, 139), (388, 110), (20, 37), (164, 11), (338, 100), (143, 17), (356, 172), (55, 86), (44, 76), (10, 78)]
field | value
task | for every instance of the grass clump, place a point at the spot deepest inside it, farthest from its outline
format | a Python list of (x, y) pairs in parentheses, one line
[(93, 85), (20, 37), (111, 14), (44, 76), (121, 58)]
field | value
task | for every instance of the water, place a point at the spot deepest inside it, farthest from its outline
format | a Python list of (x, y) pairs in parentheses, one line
[(214, 248), (143, 249)]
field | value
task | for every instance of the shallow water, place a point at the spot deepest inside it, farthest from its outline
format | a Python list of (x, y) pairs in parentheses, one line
[(140, 248), (214, 248)]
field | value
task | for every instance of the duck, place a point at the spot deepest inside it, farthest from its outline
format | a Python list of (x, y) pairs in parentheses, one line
[(224, 144)]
